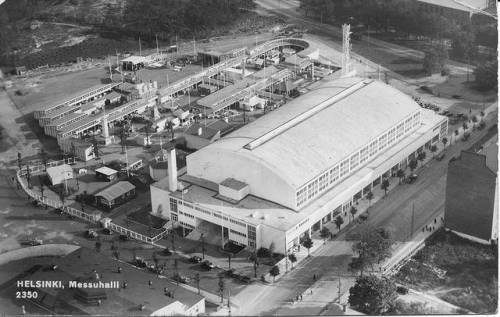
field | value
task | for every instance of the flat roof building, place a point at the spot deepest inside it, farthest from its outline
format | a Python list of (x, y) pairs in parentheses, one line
[(115, 194), (471, 207), (59, 174), (301, 164), (106, 173), (199, 135)]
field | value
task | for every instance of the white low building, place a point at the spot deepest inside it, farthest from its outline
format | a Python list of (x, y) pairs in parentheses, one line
[(59, 174), (285, 174)]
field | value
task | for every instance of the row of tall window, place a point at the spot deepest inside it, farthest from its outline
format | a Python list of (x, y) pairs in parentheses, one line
[(175, 208), (329, 178), (238, 233)]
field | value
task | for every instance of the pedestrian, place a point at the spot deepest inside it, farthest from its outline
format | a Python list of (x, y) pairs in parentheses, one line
[(297, 297), (435, 220), (125, 284), (314, 277), (311, 292), (119, 269), (301, 297), (150, 283)]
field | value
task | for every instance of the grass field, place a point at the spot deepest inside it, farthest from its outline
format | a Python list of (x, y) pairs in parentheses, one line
[(471, 277), (38, 91)]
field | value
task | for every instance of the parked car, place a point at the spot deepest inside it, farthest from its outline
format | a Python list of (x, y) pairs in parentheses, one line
[(207, 265), (181, 278), (140, 262), (107, 231), (412, 178), (124, 237), (91, 234), (195, 259), (402, 290), (166, 251), (35, 241)]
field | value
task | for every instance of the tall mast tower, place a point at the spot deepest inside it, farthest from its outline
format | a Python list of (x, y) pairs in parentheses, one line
[(346, 49)]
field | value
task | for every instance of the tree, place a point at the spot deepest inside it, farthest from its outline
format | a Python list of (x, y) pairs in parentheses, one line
[(474, 121), (42, 187), (197, 280), (400, 174), (433, 150), (19, 160), (176, 270), (255, 265), (369, 196), (148, 131), (43, 155), (358, 264), (28, 176), (307, 243), (353, 211), (339, 221), (485, 75), (456, 134), (373, 295), (434, 59), (444, 140), (98, 245), (271, 248), (421, 156), (222, 286), (202, 238), (275, 271), (292, 258), (123, 137), (385, 185), (462, 45), (95, 146), (155, 259), (325, 233)]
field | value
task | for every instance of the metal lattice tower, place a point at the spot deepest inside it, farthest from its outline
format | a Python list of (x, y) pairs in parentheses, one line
[(346, 49)]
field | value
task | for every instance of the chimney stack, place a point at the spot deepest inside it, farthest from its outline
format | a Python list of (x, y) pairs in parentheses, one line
[(172, 169)]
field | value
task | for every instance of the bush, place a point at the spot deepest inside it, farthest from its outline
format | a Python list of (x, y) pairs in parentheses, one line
[(263, 253), (486, 75), (402, 290), (445, 71)]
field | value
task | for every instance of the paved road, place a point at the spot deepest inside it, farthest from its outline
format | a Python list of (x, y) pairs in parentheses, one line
[(427, 195), (328, 262)]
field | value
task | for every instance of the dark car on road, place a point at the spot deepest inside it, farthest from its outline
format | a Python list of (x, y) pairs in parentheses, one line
[(195, 259), (412, 178), (107, 231), (207, 265), (124, 237), (181, 278)]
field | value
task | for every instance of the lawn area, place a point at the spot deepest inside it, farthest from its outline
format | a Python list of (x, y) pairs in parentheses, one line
[(456, 270)]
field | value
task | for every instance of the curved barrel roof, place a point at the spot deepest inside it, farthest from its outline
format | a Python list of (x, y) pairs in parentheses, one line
[(311, 133)]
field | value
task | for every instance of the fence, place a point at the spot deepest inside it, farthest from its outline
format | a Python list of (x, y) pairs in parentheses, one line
[(36, 167), (92, 218), (135, 235)]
